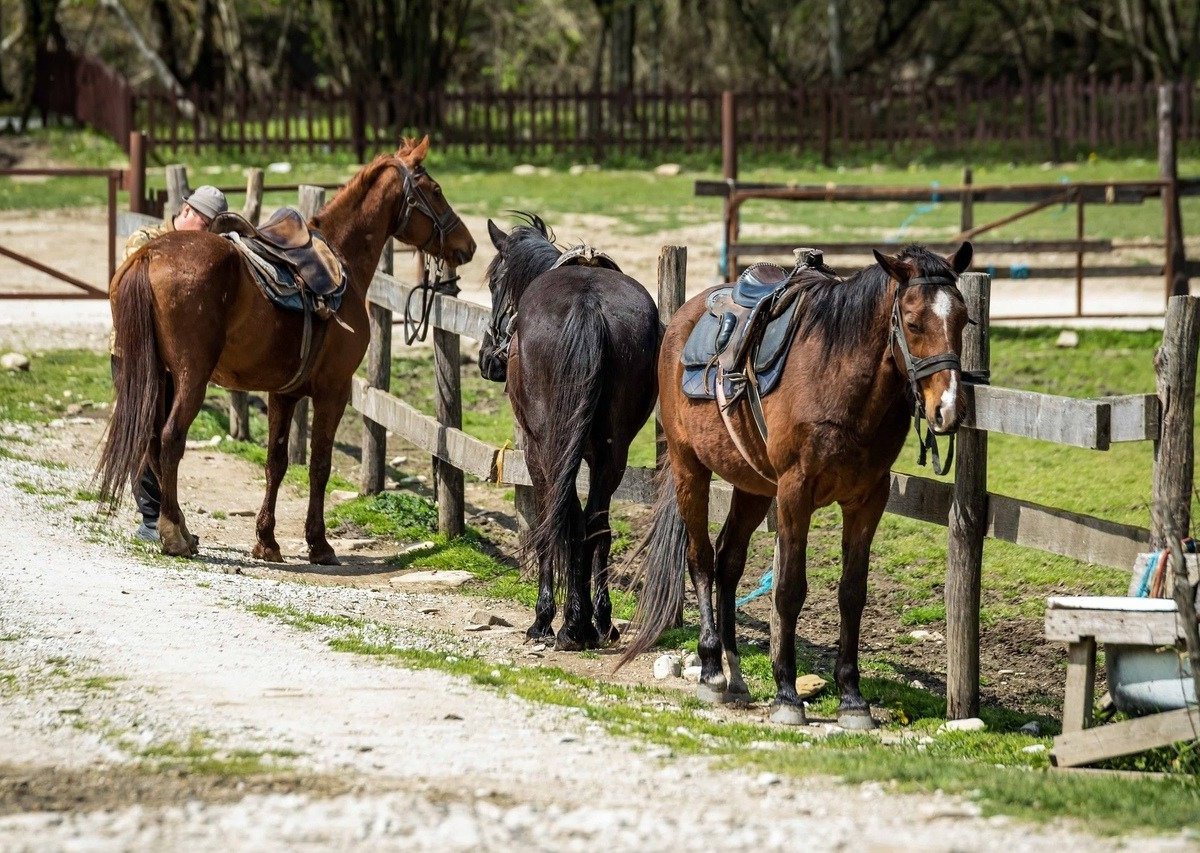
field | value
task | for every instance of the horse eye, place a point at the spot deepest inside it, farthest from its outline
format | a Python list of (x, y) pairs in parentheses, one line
[(914, 328)]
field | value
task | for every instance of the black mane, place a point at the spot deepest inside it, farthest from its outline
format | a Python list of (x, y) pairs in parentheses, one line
[(528, 252), (842, 312)]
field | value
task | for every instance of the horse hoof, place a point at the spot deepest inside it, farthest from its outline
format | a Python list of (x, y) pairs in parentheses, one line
[(711, 695), (537, 634), (177, 550), (738, 695), (857, 721), (267, 554), (608, 636), (568, 641), (789, 715), (324, 558)]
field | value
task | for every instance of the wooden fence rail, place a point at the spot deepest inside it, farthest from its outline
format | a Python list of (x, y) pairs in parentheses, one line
[(965, 506)]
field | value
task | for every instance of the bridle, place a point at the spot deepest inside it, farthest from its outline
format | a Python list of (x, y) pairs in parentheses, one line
[(503, 325), (416, 326), (917, 369)]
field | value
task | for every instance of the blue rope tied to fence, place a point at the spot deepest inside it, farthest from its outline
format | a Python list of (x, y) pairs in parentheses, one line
[(935, 200), (765, 583)]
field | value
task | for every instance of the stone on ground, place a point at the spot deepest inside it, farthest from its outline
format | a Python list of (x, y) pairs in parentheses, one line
[(970, 724), (444, 578), (810, 685), (667, 666), (1067, 339), (14, 361), (482, 617)]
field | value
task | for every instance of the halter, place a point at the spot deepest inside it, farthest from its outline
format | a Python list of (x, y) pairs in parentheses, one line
[(416, 325), (917, 369), (415, 199)]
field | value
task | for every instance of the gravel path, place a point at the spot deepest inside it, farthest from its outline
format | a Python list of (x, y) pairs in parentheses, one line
[(398, 759)]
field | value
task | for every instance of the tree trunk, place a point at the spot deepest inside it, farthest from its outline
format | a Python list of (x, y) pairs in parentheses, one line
[(1175, 268), (157, 66), (837, 64), (624, 28)]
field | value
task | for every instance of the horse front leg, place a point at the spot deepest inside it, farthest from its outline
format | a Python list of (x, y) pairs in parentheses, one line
[(692, 481), (859, 522), (327, 414), (173, 534), (542, 628), (791, 588), (279, 417)]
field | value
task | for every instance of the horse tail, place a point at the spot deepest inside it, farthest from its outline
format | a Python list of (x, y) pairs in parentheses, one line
[(579, 356), (138, 381), (664, 567)]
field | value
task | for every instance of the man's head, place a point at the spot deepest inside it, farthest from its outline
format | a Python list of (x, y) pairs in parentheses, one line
[(200, 208)]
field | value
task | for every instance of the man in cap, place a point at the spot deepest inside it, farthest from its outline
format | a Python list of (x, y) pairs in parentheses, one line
[(198, 210)]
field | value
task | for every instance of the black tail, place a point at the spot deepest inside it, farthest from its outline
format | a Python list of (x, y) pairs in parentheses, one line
[(135, 413), (664, 567), (577, 368)]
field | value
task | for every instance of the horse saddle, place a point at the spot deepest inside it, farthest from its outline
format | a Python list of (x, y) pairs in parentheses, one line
[(292, 263), (585, 256), (743, 336)]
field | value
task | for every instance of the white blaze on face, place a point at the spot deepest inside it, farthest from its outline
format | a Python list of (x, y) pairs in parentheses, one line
[(949, 402)]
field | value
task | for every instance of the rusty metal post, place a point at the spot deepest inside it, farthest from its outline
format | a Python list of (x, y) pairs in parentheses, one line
[(113, 179), (729, 170), (136, 175)]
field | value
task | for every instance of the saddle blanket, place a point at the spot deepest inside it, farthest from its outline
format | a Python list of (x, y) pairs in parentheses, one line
[(278, 282), (700, 352)]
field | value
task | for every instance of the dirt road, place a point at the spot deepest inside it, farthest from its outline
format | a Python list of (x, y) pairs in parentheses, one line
[(109, 661)]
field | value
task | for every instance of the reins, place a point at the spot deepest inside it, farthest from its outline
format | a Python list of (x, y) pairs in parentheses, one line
[(416, 324)]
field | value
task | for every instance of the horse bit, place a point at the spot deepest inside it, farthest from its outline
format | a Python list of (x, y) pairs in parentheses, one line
[(416, 327), (917, 369)]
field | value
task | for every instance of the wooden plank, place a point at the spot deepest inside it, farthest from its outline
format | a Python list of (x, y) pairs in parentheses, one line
[(454, 446), (921, 498), (1135, 417), (1071, 534), (968, 523), (1047, 417), (1072, 749), (1115, 192), (1080, 693), (447, 313), (1131, 627)]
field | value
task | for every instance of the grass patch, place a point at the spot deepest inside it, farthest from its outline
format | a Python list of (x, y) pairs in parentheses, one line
[(198, 755), (990, 768)]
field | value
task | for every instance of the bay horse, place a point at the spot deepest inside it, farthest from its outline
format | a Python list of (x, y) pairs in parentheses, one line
[(187, 305), (576, 340), (835, 425)]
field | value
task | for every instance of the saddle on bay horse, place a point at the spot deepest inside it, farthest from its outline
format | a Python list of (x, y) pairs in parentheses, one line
[(739, 347), (295, 268)]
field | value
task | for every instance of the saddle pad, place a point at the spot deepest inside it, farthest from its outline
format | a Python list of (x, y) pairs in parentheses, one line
[(276, 280), (699, 379)]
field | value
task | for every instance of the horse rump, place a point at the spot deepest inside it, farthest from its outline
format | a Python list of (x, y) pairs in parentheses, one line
[(138, 377), (663, 568)]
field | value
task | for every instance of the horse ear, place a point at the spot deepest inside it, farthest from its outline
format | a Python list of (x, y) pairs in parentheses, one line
[(894, 267), (961, 260), (420, 151), (498, 236)]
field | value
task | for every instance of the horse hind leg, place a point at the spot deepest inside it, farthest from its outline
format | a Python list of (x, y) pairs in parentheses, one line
[(791, 588), (327, 414), (607, 470), (577, 632), (174, 538), (746, 512), (279, 416), (544, 610)]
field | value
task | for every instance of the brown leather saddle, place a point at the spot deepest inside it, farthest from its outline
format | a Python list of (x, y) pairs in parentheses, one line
[(286, 239)]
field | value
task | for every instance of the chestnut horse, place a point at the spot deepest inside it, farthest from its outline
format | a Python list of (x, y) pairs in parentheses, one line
[(865, 350), (187, 305), (577, 344)]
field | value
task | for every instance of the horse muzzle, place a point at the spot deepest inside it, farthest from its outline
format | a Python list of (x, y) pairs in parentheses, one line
[(944, 412), (492, 367)]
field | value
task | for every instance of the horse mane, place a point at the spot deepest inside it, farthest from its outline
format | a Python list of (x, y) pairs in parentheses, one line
[(356, 187), (842, 311), (529, 251)]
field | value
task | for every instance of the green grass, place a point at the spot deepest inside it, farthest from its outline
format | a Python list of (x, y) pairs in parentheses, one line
[(201, 757), (990, 767)]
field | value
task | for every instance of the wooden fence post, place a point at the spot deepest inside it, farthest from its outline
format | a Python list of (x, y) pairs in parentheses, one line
[(312, 199), (967, 216), (448, 480), (1175, 365), (729, 171), (177, 188), (239, 401), (672, 293), (1175, 260), (379, 375), (136, 182), (968, 523)]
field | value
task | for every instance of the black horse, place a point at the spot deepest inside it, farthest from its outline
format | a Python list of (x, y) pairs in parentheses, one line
[(577, 340)]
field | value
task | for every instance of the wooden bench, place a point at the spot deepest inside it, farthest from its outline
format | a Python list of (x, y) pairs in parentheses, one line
[(1081, 623)]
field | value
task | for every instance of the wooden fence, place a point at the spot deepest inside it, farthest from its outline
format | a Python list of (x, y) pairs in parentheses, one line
[(87, 90), (1054, 119), (965, 506)]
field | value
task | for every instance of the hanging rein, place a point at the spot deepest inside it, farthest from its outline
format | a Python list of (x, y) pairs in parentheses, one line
[(416, 322)]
